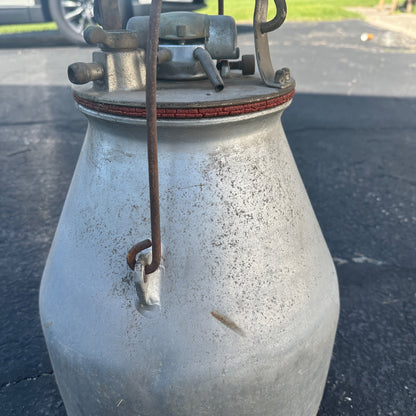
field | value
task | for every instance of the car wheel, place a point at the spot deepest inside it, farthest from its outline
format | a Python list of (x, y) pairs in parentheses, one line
[(72, 17)]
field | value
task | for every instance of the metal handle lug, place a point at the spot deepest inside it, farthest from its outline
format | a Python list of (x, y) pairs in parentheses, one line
[(81, 73), (122, 40)]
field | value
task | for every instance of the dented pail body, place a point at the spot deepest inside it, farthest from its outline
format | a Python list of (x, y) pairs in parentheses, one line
[(244, 311)]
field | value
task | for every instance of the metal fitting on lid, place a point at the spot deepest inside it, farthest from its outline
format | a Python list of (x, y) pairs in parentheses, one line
[(81, 73), (112, 41)]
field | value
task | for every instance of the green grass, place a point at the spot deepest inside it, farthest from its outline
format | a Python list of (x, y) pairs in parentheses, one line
[(31, 27), (325, 10), (307, 10), (242, 10)]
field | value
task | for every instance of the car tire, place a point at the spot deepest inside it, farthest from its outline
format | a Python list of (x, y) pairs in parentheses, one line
[(72, 17)]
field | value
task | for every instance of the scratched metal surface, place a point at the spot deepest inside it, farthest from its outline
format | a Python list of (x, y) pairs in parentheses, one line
[(249, 296)]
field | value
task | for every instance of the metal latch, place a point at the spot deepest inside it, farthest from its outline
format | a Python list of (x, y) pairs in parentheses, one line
[(281, 78)]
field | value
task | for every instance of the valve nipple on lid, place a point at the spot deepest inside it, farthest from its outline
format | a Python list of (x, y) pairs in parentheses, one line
[(203, 56)]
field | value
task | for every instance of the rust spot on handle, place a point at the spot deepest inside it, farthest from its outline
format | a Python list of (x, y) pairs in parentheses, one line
[(135, 250), (228, 323), (151, 124)]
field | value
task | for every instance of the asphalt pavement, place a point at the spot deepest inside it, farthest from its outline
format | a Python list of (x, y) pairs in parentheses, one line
[(352, 129)]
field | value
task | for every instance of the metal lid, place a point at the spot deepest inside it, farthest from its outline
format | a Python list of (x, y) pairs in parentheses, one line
[(189, 99)]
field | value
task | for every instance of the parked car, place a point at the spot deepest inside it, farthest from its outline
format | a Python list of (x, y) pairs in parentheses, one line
[(73, 16)]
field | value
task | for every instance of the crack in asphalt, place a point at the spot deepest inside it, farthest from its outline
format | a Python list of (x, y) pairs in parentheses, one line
[(33, 378)]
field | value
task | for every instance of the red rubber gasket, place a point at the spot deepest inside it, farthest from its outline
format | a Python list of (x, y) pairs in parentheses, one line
[(186, 113)]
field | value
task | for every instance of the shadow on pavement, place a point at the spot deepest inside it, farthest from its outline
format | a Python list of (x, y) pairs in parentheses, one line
[(33, 40), (356, 156)]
